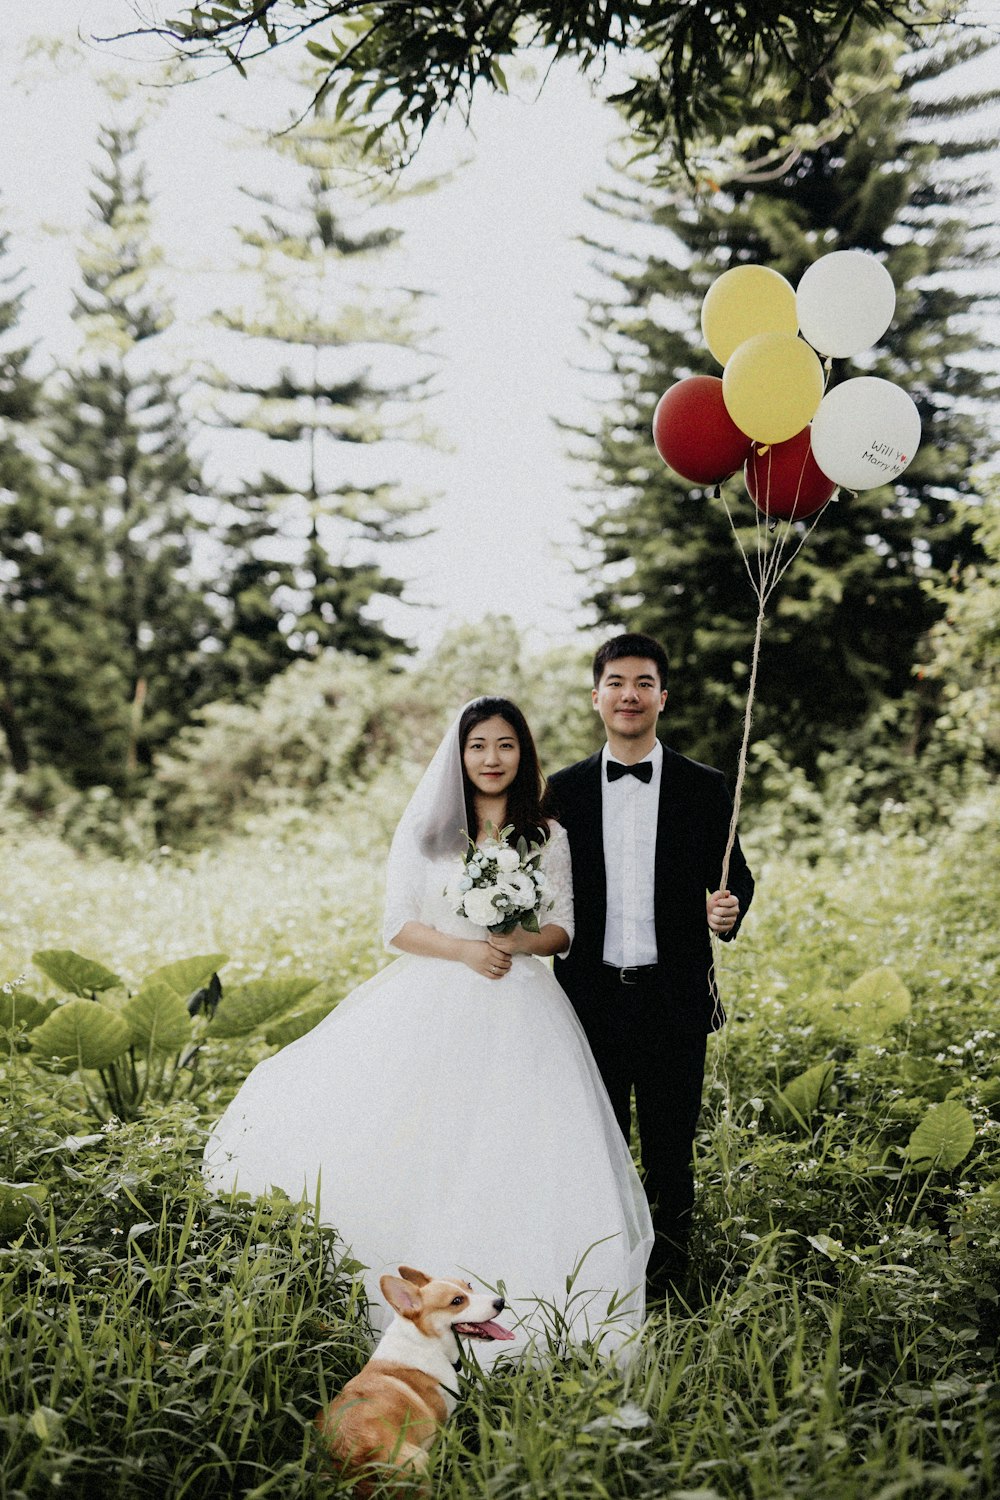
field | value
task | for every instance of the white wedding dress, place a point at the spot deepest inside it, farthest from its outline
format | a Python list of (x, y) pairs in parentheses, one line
[(457, 1124)]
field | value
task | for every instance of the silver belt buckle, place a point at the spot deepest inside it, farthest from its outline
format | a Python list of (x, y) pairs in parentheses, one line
[(625, 972)]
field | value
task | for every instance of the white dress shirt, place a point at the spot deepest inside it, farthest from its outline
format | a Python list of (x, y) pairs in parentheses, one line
[(629, 811)]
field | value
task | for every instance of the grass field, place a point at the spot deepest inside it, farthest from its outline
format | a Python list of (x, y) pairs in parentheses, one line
[(840, 1333)]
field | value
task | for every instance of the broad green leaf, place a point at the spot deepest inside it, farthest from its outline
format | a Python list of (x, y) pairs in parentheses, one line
[(869, 1006), (73, 973), (186, 974), (246, 1007), (944, 1137), (19, 1009), (989, 1092), (158, 1018), (84, 1033), (18, 1201), (801, 1097), (292, 1027)]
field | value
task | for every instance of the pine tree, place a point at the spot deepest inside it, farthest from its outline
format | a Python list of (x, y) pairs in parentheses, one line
[(20, 487), (119, 445), (307, 534), (57, 680), (843, 630)]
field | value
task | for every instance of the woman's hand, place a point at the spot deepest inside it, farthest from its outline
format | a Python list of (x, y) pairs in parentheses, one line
[(509, 942), (490, 962)]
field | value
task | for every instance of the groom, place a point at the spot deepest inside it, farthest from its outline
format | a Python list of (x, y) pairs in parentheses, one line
[(647, 830)]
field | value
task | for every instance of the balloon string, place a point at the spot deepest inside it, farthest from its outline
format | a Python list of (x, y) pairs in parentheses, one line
[(741, 765), (771, 567)]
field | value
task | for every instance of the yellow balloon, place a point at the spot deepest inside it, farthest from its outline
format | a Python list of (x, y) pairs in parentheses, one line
[(743, 302), (772, 386)]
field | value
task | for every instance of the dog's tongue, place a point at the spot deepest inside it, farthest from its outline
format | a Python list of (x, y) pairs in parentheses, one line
[(490, 1330)]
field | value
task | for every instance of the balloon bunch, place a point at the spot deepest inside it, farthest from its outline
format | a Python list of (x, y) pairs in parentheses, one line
[(769, 415)]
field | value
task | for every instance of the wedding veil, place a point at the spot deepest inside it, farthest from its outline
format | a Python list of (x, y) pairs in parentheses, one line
[(432, 828)]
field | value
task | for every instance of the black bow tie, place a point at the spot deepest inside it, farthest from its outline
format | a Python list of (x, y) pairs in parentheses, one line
[(643, 769)]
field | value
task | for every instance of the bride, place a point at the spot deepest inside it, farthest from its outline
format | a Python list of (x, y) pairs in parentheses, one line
[(448, 1113)]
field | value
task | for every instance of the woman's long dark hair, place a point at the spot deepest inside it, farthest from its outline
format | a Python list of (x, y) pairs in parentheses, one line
[(524, 795)]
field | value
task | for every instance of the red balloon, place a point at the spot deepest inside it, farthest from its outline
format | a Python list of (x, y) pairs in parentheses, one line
[(695, 434), (785, 481)]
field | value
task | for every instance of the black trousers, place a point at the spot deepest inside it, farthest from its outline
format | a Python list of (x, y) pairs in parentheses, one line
[(638, 1046)]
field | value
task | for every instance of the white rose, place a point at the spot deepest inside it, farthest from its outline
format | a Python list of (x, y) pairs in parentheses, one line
[(508, 860), (479, 907), (456, 889), (522, 889), (489, 846)]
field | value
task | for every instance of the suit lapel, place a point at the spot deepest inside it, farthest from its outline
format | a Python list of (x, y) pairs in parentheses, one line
[(666, 829), (592, 825)]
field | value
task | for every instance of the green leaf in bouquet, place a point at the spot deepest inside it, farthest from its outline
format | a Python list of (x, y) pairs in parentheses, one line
[(158, 1017), (246, 1007), (18, 1202), (73, 973), (522, 848), (20, 1010), (530, 922), (186, 975), (83, 1034), (943, 1138)]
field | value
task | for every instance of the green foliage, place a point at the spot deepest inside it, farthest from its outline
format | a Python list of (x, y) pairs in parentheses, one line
[(74, 974), (316, 331), (83, 1035), (840, 1328), (802, 1096), (848, 623), (20, 1012), (944, 1137), (964, 655), (404, 68), (25, 500), (19, 1201), (157, 1341), (117, 616), (142, 1046), (313, 736), (247, 1008), (866, 1009), (324, 730)]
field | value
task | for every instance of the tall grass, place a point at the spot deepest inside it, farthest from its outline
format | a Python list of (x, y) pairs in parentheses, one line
[(837, 1340)]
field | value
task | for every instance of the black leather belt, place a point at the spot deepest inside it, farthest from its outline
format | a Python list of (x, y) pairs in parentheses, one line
[(634, 974)]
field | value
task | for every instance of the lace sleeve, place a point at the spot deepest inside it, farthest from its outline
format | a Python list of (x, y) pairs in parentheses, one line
[(558, 868), (404, 881)]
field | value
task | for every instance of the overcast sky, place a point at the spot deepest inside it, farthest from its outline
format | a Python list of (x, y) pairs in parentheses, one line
[(496, 248)]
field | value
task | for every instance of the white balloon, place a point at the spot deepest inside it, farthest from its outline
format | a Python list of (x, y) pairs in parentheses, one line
[(865, 433), (845, 301)]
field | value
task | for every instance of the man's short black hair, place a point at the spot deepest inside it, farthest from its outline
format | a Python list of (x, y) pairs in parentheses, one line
[(631, 644)]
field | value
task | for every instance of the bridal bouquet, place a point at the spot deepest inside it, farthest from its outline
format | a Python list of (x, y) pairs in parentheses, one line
[(499, 885)]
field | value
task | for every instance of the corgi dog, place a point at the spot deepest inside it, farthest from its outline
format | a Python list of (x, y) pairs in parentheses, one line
[(390, 1413)]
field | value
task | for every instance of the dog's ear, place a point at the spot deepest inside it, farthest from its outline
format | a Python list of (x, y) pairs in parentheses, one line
[(416, 1278), (400, 1296)]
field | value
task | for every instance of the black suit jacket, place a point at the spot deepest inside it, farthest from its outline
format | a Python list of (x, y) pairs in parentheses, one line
[(692, 829)]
